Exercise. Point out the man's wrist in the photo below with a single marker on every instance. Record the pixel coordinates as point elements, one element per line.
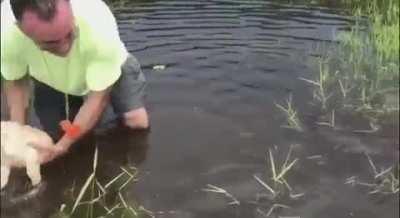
<point>64,143</point>
<point>71,131</point>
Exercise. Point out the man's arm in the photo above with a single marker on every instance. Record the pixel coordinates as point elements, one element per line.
<point>87,117</point>
<point>17,98</point>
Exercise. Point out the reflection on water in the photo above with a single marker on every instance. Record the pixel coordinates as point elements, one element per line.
<point>213,114</point>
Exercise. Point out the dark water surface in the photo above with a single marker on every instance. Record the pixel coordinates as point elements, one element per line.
<point>214,117</point>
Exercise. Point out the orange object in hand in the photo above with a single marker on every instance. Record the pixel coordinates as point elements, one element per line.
<point>71,130</point>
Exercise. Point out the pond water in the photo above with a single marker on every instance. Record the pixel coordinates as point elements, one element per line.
<point>213,118</point>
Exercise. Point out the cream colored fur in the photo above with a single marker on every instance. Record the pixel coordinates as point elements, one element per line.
<point>18,149</point>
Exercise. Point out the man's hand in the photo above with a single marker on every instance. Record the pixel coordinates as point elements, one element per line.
<point>47,154</point>
<point>62,147</point>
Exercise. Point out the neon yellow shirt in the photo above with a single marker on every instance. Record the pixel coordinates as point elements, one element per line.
<point>93,63</point>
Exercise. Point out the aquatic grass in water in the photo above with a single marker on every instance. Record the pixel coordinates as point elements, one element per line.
<point>331,122</point>
<point>218,190</point>
<point>277,191</point>
<point>361,75</point>
<point>277,184</point>
<point>272,209</point>
<point>97,200</point>
<point>323,84</point>
<point>385,181</point>
<point>374,85</point>
<point>292,119</point>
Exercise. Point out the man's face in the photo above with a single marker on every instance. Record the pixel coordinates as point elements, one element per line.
<point>55,36</point>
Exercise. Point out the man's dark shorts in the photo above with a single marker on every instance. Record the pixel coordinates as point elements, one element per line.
<point>127,94</point>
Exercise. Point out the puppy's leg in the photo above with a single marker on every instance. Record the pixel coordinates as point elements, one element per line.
<point>33,171</point>
<point>5,173</point>
<point>33,167</point>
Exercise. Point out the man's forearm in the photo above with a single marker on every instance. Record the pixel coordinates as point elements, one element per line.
<point>17,98</point>
<point>88,115</point>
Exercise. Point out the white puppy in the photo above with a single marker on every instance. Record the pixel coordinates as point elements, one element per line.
<point>18,143</point>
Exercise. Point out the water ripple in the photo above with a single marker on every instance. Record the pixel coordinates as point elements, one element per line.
<point>223,38</point>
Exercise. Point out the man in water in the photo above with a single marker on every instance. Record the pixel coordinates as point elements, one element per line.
<point>72,51</point>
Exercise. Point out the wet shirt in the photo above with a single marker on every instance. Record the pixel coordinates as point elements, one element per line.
<point>93,63</point>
